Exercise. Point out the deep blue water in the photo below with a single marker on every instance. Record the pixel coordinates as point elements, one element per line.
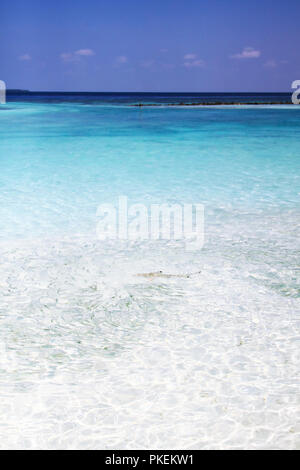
<point>157,98</point>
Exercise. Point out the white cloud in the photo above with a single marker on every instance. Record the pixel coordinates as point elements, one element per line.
<point>121,59</point>
<point>194,63</point>
<point>68,57</point>
<point>191,60</point>
<point>24,57</point>
<point>247,53</point>
<point>270,63</point>
<point>75,56</point>
<point>190,56</point>
<point>85,52</point>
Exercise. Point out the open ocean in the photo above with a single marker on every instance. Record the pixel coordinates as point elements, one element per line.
<point>94,357</point>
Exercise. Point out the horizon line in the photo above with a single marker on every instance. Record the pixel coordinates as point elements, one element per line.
<point>20,90</point>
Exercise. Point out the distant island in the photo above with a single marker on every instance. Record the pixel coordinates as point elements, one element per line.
<point>213,103</point>
<point>17,92</point>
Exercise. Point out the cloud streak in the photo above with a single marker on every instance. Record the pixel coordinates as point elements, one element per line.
<point>270,63</point>
<point>24,57</point>
<point>76,56</point>
<point>247,53</point>
<point>191,60</point>
<point>122,59</point>
<point>85,52</point>
<point>190,56</point>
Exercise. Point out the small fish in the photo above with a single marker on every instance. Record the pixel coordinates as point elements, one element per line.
<point>166,276</point>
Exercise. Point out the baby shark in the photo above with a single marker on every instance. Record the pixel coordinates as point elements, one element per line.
<point>166,276</point>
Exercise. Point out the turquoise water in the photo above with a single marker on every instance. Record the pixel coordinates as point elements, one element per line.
<point>60,161</point>
<point>96,357</point>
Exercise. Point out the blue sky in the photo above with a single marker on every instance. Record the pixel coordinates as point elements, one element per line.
<point>150,45</point>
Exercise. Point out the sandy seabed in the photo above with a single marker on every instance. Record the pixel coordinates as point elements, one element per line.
<point>95,357</point>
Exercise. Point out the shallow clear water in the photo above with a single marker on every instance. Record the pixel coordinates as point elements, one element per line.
<point>93,356</point>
